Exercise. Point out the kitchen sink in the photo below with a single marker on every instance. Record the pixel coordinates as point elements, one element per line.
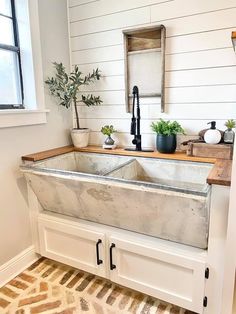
<point>162,198</point>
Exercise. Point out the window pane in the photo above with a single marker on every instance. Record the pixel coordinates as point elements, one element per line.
<point>5,7</point>
<point>9,78</point>
<point>6,33</point>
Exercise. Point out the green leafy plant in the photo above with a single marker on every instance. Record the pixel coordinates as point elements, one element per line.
<point>65,87</point>
<point>230,124</point>
<point>166,127</point>
<point>108,130</point>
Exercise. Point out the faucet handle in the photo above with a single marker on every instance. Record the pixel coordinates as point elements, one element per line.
<point>137,140</point>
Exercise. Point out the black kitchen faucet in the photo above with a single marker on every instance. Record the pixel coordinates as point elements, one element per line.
<point>135,124</point>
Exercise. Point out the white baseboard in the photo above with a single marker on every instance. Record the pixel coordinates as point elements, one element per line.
<point>17,264</point>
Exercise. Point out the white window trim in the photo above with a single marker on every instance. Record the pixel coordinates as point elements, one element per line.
<point>35,112</point>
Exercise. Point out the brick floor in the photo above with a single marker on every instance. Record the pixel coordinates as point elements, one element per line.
<point>54,288</point>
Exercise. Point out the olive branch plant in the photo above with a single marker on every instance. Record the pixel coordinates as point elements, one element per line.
<point>65,87</point>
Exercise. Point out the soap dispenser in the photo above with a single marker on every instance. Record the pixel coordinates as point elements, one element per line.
<point>212,135</point>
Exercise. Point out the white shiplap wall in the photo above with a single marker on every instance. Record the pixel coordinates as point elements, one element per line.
<point>200,61</point>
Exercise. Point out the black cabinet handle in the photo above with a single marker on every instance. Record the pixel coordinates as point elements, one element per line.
<point>112,266</point>
<point>99,261</point>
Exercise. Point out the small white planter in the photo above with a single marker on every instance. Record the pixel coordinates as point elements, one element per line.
<point>80,137</point>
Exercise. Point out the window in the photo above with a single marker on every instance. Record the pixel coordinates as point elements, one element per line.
<point>19,23</point>
<point>11,83</point>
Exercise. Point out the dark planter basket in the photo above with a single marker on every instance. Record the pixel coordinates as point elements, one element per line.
<point>166,144</point>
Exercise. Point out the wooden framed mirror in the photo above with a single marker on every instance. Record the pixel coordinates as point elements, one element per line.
<point>145,63</point>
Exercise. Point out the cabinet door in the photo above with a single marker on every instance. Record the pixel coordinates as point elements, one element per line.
<point>73,245</point>
<point>159,271</point>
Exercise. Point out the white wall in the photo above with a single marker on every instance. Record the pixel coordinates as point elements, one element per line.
<point>200,62</point>
<point>18,141</point>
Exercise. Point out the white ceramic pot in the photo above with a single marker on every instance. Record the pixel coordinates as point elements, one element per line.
<point>80,137</point>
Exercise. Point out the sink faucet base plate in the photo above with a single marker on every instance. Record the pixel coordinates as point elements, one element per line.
<point>133,149</point>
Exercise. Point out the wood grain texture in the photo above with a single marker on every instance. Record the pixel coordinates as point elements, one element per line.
<point>48,153</point>
<point>221,151</point>
<point>221,173</point>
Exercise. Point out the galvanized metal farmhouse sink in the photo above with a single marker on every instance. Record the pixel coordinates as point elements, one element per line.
<point>161,198</point>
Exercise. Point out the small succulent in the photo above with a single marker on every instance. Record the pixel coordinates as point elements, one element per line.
<point>166,127</point>
<point>230,124</point>
<point>108,130</point>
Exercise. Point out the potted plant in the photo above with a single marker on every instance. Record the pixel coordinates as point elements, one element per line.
<point>108,130</point>
<point>65,87</point>
<point>229,133</point>
<point>166,135</point>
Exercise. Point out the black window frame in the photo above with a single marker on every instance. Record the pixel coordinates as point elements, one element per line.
<point>14,48</point>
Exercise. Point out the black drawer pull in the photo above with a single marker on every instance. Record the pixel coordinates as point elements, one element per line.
<point>112,266</point>
<point>99,261</point>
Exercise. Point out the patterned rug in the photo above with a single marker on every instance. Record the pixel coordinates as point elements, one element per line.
<point>54,288</point>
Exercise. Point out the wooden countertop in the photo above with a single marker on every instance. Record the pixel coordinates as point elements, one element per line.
<point>48,153</point>
<point>220,174</point>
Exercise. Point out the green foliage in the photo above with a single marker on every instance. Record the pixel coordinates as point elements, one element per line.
<point>65,87</point>
<point>230,124</point>
<point>166,127</point>
<point>91,100</point>
<point>108,130</point>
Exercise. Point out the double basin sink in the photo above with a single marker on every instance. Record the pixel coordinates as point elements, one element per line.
<point>161,198</point>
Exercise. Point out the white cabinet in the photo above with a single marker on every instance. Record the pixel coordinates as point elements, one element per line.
<point>169,271</point>
<point>159,271</point>
<point>77,246</point>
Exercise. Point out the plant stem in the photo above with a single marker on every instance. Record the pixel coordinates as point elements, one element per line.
<point>76,114</point>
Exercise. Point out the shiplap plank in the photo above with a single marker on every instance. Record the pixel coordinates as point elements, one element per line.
<point>191,127</point>
<point>104,39</point>
<point>200,23</point>
<point>104,7</point>
<point>98,55</point>
<point>112,83</point>
<point>181,8</point>
<point>73,3</point>
<point>111,97</point>
<point>175,111</point>
<point>118,20</point>
<point>201,59</point>
<point>201,94</point>
<point>106,68</point>
<point>200,41</point>
<point>197,77</point>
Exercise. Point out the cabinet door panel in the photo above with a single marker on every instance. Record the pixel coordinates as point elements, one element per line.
<point>72,245</point>
<point>167,275</point>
